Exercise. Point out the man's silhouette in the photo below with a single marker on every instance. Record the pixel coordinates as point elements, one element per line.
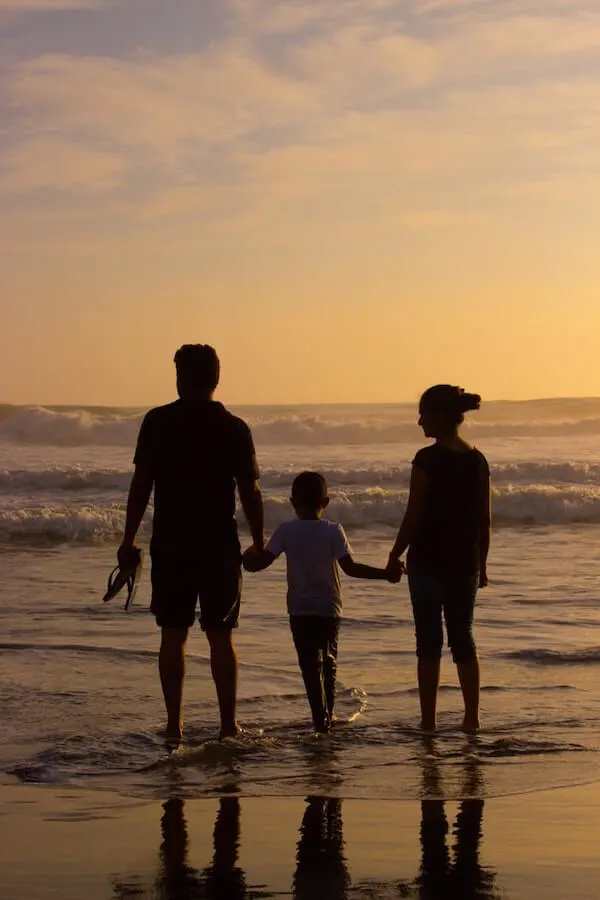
<point>193,453</point>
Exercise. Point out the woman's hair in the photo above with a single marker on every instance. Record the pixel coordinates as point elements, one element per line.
<point>453,401</point>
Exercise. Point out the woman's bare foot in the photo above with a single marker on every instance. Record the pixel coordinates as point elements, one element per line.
<point>427,726</point>
<point>230,731</point>
<point>471,726</point>
<point>174,731</point>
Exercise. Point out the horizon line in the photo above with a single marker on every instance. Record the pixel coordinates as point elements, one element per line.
<point>305,403</point>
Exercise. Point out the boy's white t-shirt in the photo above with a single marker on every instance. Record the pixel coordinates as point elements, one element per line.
<point>312,548</point>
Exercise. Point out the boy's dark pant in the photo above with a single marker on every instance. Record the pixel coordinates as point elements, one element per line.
<point>316,642</point>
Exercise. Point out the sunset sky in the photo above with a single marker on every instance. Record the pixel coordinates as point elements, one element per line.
<point>351,199</point>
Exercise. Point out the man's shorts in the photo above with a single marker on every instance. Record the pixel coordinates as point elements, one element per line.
<point>180,581</point>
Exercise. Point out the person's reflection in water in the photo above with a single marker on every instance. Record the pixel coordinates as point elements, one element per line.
<point>458,875</point>
<point>321,866</point>
<point>223,880</point>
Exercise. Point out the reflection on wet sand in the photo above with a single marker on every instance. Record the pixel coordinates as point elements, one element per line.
<point>321,869</point>
<point>223,879</point>
<point>449,870</point>
<point>448,873</point>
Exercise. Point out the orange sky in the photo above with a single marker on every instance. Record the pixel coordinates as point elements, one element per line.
<point>351,200</point>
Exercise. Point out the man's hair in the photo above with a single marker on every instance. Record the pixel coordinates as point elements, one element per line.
<point>198,366</point>
<point>309,490</point>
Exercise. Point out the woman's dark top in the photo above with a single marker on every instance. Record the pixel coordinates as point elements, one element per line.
<point>448,538</point>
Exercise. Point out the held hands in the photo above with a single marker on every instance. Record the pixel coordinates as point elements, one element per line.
<point>252,558</point>
<point>394,570</point>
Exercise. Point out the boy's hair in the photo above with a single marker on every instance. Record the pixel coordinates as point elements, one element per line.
<point>198,366</point>
<point>309,490</point>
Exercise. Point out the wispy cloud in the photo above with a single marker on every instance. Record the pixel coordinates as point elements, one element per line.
<point>381,107</point>
<point>48,162</point>
<point>32,5</point>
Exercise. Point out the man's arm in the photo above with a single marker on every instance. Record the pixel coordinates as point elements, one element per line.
<point>252,505</point>
<point>137,503</point>
<point>359,570</point>
<point>485,525</point>
<point>413,515</point>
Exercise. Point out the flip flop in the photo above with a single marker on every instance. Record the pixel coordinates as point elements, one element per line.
<point>129,576</point>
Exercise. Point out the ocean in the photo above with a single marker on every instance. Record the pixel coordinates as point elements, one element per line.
<point>79,692</point>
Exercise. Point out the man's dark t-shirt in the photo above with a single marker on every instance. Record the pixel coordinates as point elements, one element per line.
<point>196,452</point>
<point>448,539</point>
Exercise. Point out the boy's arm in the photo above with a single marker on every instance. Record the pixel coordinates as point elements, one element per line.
<point>255,559</point>
<point>359,570</point>
<point>343,553</point>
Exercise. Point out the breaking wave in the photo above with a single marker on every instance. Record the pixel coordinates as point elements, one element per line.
<point>370,508</point>
<point>316,426</point>
<point>522,476</point>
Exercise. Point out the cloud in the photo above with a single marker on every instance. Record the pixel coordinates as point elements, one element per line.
<point>287,16</point>
<point>359,112</point>
<point>37,5</point>
<point>158,105</point>
<point>49,162</point>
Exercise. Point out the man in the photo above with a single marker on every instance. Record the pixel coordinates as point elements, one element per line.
<point>193,452</point>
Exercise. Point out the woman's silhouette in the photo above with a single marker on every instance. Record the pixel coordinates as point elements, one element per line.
<point>446,529</point>
<point>453,873</point>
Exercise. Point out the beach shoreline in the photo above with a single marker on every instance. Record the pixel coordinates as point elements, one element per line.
<point>72,843</point>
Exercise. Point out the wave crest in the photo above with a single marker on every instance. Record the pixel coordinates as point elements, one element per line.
<point>370,508</point>
<point>326,426</point>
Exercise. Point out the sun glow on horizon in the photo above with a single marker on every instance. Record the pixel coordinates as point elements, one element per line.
<point>350,200</point>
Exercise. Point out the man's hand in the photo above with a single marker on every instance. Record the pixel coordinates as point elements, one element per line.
<point>250,558</point>
<point>394,570</point>
<point>255,559</point>
<point>483,577</point>
<point>125,553</point>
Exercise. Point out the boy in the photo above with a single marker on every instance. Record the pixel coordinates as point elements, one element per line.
<point>314,547</point>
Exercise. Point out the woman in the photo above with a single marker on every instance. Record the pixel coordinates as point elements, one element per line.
<point>446,529</point>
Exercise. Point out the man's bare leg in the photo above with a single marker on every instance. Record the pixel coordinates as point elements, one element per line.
<point>224,666</point>
<point>171,665</point>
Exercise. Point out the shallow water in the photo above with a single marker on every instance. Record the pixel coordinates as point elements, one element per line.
<point>78,682</point>
<point>82,701</point>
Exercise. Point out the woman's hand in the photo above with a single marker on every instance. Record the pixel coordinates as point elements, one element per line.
<point>483,578</point>
<point>394,570</point>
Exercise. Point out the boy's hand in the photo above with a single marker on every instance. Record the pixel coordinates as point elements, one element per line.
<point>253,559</point>
<point>394,570</point>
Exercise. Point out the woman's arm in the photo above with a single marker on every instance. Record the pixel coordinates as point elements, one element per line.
<point>419,484</point>
<point>485,523</point>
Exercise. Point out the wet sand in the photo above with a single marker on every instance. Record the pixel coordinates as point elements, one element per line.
<point>73,844</point>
